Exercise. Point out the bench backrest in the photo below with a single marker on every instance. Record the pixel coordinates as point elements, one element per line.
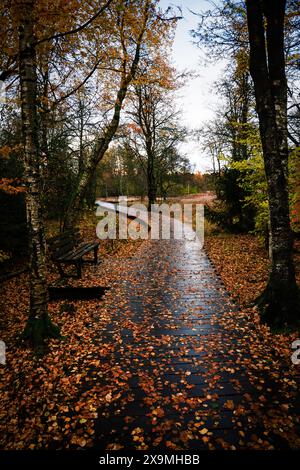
<point>61,244</point>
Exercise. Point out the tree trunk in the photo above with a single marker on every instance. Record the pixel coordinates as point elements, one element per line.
<point>151,179</point>
<point>151,189</point>
<point>279,303</point>
<point>103,142</point>
<point>90,167</point>
<point>244,115</point>
<point>81,133</point>
<point>87,174</point>
<point>39,325</point>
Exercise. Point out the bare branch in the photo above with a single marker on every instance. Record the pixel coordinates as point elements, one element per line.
<point>78,28</point>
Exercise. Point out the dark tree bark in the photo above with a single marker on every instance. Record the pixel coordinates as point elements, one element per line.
<point>151,179</point>
<point>39,325</point>
<point>279,303</point>
<point>81,131</point>
<point>145,118</point>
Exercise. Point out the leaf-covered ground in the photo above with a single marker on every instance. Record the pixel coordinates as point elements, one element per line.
<point>163,361</point>
<point>242,262</point>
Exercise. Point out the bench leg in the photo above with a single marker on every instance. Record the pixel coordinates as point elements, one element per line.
<point>96,255</point>
<point>78,267</point>
<point>60,270</point>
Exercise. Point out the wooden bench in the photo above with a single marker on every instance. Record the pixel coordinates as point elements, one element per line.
<point>68,248</point>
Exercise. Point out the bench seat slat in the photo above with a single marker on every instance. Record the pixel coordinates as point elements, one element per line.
<point>68,248</point>
<point>57,251</point>
<point>78,252</point>
<point>86,248</point>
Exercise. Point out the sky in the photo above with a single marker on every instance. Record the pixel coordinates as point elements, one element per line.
<point>197,99</point>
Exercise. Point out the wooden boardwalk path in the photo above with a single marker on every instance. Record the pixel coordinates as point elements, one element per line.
<point>182,369</point>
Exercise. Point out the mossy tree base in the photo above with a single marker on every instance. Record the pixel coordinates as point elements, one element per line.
<point>38,330</point>
<point>279,305</point>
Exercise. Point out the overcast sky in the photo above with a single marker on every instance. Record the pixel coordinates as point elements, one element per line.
<point>197,100</point>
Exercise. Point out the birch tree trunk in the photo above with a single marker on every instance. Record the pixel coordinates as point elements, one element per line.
<point>39,325</point>
<point>279,303</point>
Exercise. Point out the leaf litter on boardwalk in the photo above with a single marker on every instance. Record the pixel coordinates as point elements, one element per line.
<point>54,402</point>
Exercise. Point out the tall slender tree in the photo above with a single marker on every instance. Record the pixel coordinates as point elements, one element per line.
<point>155,132</point>
<point>102,143</point>
<point>279,303</point>
<point>139,30</point>
<point>39,325</point>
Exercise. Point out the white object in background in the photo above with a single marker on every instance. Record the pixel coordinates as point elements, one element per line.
<point>2,353</point>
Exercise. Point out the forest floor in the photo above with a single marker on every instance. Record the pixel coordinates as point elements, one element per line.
<point>242,263</point>
<point>164,360</point>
